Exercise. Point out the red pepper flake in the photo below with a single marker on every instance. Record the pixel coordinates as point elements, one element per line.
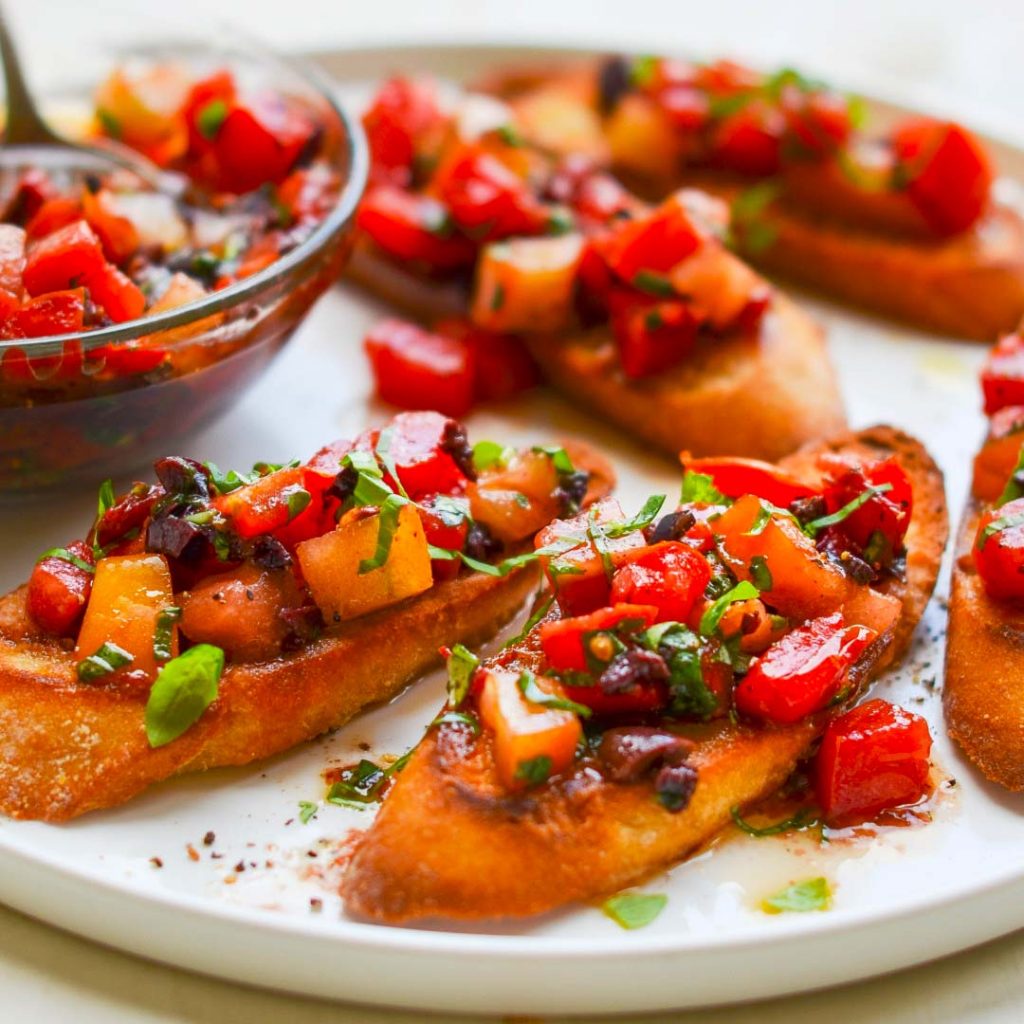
<point>240,867</point>
<point>193,853</point>
<point>209,839</point>
<point>156,862</point>
<point>315,904</point>
<point>311,853</point>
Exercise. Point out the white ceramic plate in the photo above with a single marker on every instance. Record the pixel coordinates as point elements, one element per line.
<point>256,902</point>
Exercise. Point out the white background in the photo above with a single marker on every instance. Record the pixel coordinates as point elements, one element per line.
<point>961,57</point>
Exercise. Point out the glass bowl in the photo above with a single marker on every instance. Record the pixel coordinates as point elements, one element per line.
<point>66,419</point>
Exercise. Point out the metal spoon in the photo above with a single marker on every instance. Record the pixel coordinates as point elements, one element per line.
<point>30,142</point>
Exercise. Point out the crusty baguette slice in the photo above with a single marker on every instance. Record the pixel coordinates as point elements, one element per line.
<point>983,692</point>
<point>68,747</point>
<point>969,286</point>
<point>761,395</point>
<point>450,843</point>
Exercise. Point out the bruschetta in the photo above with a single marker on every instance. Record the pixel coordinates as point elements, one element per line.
<point>688,662</point>
<point>904,224</point>
<point>983,695</point>
<point>639,313</point>
<point>216,618</point>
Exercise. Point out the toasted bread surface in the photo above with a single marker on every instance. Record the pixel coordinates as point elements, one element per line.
<point>450,842</point>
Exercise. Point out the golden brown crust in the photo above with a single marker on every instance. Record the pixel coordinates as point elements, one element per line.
<point>758,394</point>
<point>449,842</point>
<point>983,691</point>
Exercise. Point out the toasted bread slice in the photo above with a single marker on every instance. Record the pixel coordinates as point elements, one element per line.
<point>759,394</point>
<point>983,693</point>
<point>68,747</point>
<point>970,285</point>
<point>450,842</point>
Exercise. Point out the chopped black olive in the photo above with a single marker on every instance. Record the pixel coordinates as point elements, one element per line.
<point>808,509</point>
<point>270,554</point>
<point>183,477</point>
<point>176,538</point>
<point>672,526</point>
<point>613,82</point>
<point>631,752</point>
<point>631,668</point>
<point>571,490</point>
<point>344,484</point>
<point>480,544</point>
<point>674,785</point>
<point>455,442</point>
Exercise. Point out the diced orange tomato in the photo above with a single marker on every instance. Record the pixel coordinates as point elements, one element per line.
<point>735,477</point>
<point>141,105</point>
<point>642,138</point>
<point>873,758</point>
<point>330,565</point>
<point>804,583</point>
<point>524,733</point>
<point>516,501</point>
<point>128,594</point>
<point>117,233</point>
<point>578,574</point>
<point>671,576</point>
<point>724,291</point>
<point>1000,453</point>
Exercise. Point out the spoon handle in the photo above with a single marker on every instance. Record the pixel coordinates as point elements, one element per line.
<point>23,125</point>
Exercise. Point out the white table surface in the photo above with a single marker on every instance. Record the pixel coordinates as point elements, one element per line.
<point>942,54</point>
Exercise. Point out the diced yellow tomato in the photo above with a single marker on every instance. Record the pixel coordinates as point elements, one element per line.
<point>140,106</point>
<point>239,612</point>
<point>720,285</point>
<point>527,284</point>
<point>128,593</point>
<point>868,607</point>
<point>642,139</point>
<point>752,622</point>
<point>517,501</point>
<point>562,121</point>
<point>330,564</point>
<point>524,733</point>
<point>994,463</point>
<point>805,584</point>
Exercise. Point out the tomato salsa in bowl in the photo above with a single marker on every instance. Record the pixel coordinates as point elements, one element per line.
<point>132,314</point>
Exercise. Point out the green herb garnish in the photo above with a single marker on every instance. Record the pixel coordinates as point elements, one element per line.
<point>642,70</point>
<point>307,811</point>
<point>465,718</point>
<point>541,610</point>
<point>67,556</point>
<point>801,820</point>
<point>297,499</point>
<point>559,458</point>
<point>743,591</point>
<point>560,222</point>
<point>651,507</point>
<point>529,688</point>
<point>185,687</point>
<point>211,117</point>
<point>509,134</point>
<point>111,125</point>
<point>997,526</point>
<point>534,771</point>
<point>760,574</point>
<point>632,910</point>
<point>489,453</point>
<point>700,489</point>
<point>164,631</point>
<point>654,284</point>
<point>387,525</point>
<point>1014,488</point>
<point>497,297</point>
<point>108,658</point>
<point>801,897</point>
<point>848,509</point>
<point>462,664</point>
<point>682,650</point>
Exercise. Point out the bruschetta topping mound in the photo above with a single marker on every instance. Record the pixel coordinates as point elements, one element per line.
<point>205,568</point>
<point>550,244</point>
<point>752,600</point>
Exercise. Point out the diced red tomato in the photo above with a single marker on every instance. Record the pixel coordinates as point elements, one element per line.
<point>577,571</point>
<point>652,244</point>
<point>563,640</point>
<point>64,259</point>
<point>804,671</point>
<point>1002,376</point>
<point>735,477</point>
<point>128,513</point>
<point>601,198</point>
<point>260,140</point>
<point>307,193</point>
<point>726,77</point>
<point>948,173</point>
<point>34,188</point>
<point>58,590</point>
<point>873,758</point>
<point>129,357</point>
<point>270,504</point>
<point>999,550</point>
<point>503,364</point>
<point>750,141</point>
<point>652,335</point>
<point>218,88</point>
<point>403,112</point>
<point>671,576</point>
<point>117,294</point>
<point>444,528</point>
<point>12,264</point>
<point>486,199</point>
<point>54,313</point>
<point>413,367</point>
<point>640,698</point>
<point>420,454</point>
<point>686,106</point>
<point>413,227</point>
<point>53,215</point>
<point>887,513</point>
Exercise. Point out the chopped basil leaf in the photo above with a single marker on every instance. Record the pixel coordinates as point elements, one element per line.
<point>490,453</point>
<point>747,224</point>
<point>631,910</point>
<point>462,664</point>
<point>654,284</point>
<point>108,658</point>
<point>226,482</point>
<point>560,222</point>
<point>185,687</point>
<point>775,83</point>
<point>760,573</point>
<point>726,106</point>
<point>297,499</point>
<point>266,468</point>
<point>848,509</point>
<point>801,897</point>
<point>384,443</point>
<point>652,506</point>
<point>600,542</point>
<point>109,123</point>
<point>682,650</point>
<point>164,632</point>
<point>360,787</point>
<point>66,556</point>
<point>700,489</point>
<point>743,591</point>
<point>105,501</point>
<point>559,457</point>
<point>211,117</point>
<point>1014,488</point>
<point>997,526</point>
<point>642,70</point>
<point>509,134</point>
<point>387,524</point>
<point>498,297</point>
<point>542,609</point>
<point>761,520</point>
<point>465,718</point>
<point>857,112</point>
<point>307,811</point>
<point>529,688</point>
<point>362,462</point>
<point>502,569</point>
<point>534,771</point>
<point>801,820</point>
